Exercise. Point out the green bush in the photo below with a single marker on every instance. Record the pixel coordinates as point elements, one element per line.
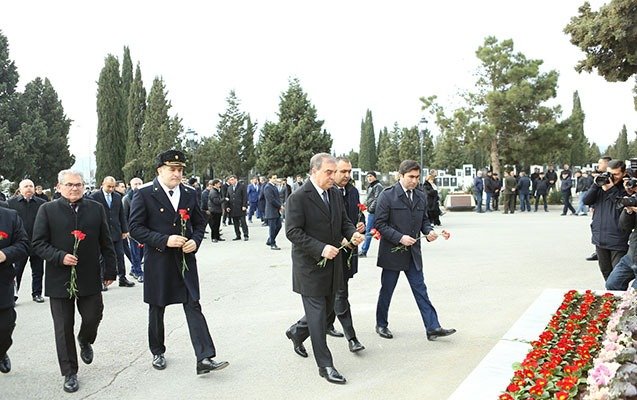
<point>555,197</point>
<point>443,195</point>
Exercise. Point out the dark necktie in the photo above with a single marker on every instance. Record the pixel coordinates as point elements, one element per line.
<point>326,199</point>
<point>343,191</point>
<point>409,196</point>
<point>170,192</point>
<point>73,207</point>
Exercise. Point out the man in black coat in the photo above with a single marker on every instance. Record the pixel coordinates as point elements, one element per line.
<point>216,203</point>
<point>272,211</point>
<point>166,217</point>
<point>117,222</point>
<point>136,248</point>
<point>14,246</point>
<point>237,206</point>
<point>351,201</point>
<point>401,218</point>
<point>316,224</point>
<point>27,205</point>
<point>53,240</point>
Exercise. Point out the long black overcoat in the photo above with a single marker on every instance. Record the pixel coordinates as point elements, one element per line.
<point>15,247</point>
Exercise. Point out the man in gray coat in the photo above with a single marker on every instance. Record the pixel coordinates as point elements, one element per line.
<point>317,225</point>
<point>401,219</point>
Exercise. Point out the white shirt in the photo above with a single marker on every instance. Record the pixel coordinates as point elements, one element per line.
<point>318,189</point>
<point>174,199</point>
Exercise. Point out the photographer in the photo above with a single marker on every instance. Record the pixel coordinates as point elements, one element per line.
<point>611,243</point>
<point>626,270</point>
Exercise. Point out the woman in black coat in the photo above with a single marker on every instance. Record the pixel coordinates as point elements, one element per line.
<point>433,200</point>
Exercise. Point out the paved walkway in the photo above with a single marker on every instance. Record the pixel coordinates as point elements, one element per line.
<point>480,281</point>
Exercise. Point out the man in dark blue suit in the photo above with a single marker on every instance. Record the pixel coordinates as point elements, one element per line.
<point>401,218</point>
<point>158,219</point>
<point>117,222</point>
<point>14,246</point>
<point>273,208</point>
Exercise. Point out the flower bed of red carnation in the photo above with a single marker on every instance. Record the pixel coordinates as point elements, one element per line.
<point>556,366</point>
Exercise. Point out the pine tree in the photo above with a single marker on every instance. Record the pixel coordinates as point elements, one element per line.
<point>593,154</point>
<point>388,159</point>
<point>111,137</point>
<point>127,81</point>
<point>381,140</point>
<point>287,146</point>
<point>160,132</point>
<point>9,103</point>
<point>621,145</point>
<point>409,147</point>
<point>227,149</point>
<point>135,121</point>
<point>579,143</point>
<point>367,149</point>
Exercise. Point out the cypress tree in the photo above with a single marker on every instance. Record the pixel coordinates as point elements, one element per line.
<point>621,145</point>
<point>248,157</point>
<point>227,148</point>
<point>135,122</point>
<point>579,143</point>
<point>111,137</point>
<point>409,148</point>
<point>367,154</point>
<point>389,159</point>
<point>9,103</point>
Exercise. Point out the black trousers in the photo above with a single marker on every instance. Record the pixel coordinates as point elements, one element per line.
<point>63,312</point>
<point>342,311</point>
<point>37,272</point>
<point>119,253</point>
<point>537,201</point>
<point>314,325</point>
<point>607,259</point>
<point>240,221</point>
<point>197,326</point>
<point>274,226</point>
<point>7,324</point>
<point>215,223</point>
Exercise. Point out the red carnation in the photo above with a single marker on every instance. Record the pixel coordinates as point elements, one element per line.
<point>4,235</point>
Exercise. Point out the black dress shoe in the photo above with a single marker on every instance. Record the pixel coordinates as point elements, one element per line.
<point>332,375</point>
<point>440,332</point>
<point>246,238</point>
<point>104,288</point>
<point>275,247</point>
<point>333,332</point>
<point>355,345</point>
<point>126,283</point>
<point>38,299</point>
<point>214,240</point>
<point>237,238</point>
<point>86,352</point>
<point>208,364</point>
<point>298,346</point>
<point>592,257</point>
<point>70,383</point>
<point>384,332</point>
<point>159,361</point>
<point>5,364</point>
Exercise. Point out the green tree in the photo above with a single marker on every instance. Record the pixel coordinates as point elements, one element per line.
<point>620,148</point>
<point>227,148</point>
<point>135,121</point>
<point>367,149</point>
<point>579,143</point>
<point>111,136</point>
<point>286,147</point>
<point>48,128</point>
<point>593,153</point>
<point>160,132</point>
<point>381,133</point>
<point>10,120</point>
<point>389,159</point>
<point>127,81</point>
<point>409,146</point>
<point>248,155</point>
<point>510,100</point>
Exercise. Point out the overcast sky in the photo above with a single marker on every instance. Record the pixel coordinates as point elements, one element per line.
<point>348,55</point>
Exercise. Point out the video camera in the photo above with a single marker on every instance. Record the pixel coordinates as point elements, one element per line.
<point>630,183</point>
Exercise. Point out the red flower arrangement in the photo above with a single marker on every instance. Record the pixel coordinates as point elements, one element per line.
<point>184,216</point>
<point>361,208</point>
<point>72,289</point>
<point>559,360</point>
<point>4,235</point>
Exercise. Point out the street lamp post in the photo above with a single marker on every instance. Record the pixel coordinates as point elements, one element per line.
<point>422,126</point>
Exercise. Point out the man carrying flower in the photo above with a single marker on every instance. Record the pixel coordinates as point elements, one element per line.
<point>166,217</point>
<point>54,241</point>
<point>401,217</point>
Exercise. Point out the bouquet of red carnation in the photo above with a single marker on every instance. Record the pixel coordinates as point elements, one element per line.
<point>4,235</point>
<point>183,214</point>
<point>72,290</point>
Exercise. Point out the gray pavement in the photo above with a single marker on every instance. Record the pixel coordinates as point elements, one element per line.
<point>480,281</point>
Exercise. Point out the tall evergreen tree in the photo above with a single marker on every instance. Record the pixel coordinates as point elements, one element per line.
<point>389,159</point>
<point>160,132</point>
<point>380,141</point>
<point>9,103</point>
<point>48,128</point>
<point>127,81</point>
<point>620,149</point>
<point>111,136</point>
<point>135,122</point>
<point>248,156</point>
<point>286,147</point>
<point>227,149</point>
<point>579,143</point>
<point>409,147</point>
<point>367,157</point>
<point>593,154</point>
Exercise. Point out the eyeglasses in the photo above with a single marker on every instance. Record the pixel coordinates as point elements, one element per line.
<point>73,185</point>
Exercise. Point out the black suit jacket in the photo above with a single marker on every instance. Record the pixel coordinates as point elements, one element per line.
<point>117,219</point>
<point>351,201</point>
<point>152,220</point>
<point>15,247</point>
<point>238,199</point>
<point>26,211</point>
<point>272,201</point>
<point>310,225</point>
<point>397,216</point>
<point>52,240</point>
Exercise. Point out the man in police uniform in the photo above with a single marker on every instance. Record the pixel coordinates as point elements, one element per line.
<point>156,222</point>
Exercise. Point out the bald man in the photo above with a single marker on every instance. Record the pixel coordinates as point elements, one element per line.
<point>27,205</point>
<point>118,224</point>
